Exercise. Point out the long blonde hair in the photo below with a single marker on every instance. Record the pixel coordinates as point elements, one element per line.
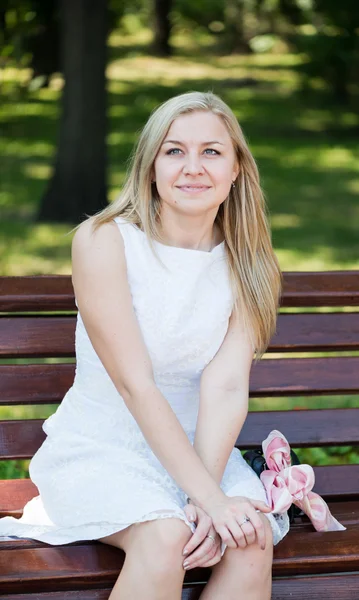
<point>254,271</point>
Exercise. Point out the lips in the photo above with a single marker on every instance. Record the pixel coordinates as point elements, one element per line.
<point>193,188</point>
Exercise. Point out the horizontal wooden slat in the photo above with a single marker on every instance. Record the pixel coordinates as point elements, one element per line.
<point>316,332</point>
<point>27,337</point>
<point>55,292</point>
<point>334,483</point>
<point>48,383</point>
<point>324,288</point>
<point>322,587</point>
<point>303,376</point>
<point>96,565</point>
<point>303,428</point>
<point>39,293</point>
<point>35,384</point>
<point>331,587</point>
<point>14,494</point>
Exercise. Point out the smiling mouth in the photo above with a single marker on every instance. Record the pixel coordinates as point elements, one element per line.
<point>193,188</point>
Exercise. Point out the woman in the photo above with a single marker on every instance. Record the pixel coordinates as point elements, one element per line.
<point>177,287</point>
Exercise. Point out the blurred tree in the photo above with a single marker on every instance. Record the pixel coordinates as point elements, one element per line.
<point>78,184</point>
<point>201,12</point>
<point>29,35</point>
<point>43,41</point>
<point>339,39</point>
<point>236,20</point>
<point>332,46</point>
<point>162,27</point>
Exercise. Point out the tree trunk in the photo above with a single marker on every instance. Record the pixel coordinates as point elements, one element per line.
<point>78,185</point>
<point>44,42</point>
<point>236,38</point>
<point>161,43</point>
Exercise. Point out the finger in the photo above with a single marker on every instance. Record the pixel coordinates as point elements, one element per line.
<point>262,506</point>
<point>226,536</point>
<point>206,549</point>
<point>259,527</point>
<point>249,532</point>
<point>237,533</point>
<point>213,561</point>
<point>190,512</point>
<point>199,535</point>
<point>204,560</point>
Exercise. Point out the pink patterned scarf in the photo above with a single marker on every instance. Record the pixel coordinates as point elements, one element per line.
<point>286,484</point>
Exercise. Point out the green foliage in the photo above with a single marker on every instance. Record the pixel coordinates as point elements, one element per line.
<point>201,12</point>
<point>14,469</point>
<point>332,47</point>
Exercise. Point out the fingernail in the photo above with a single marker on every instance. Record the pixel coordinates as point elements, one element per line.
<point>185,552</point>
<point>186,564</point>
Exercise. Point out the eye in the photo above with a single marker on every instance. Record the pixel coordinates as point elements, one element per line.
<point>211,151</point>
<point>174,151</point>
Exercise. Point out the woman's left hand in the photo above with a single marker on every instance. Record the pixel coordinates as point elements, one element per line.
<point>201,550</point>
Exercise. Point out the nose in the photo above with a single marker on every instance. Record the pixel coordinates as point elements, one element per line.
<point>193,164</point>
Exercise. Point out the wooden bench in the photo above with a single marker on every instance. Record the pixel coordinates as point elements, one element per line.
<point>307,564</point>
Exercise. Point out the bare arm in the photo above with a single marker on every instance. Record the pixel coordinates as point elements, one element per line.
<point>105,304</point>
<point>223,400</point>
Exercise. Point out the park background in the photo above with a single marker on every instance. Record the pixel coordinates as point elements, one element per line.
<point>288,68</point>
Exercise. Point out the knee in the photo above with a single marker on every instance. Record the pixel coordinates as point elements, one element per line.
<point>258,562</point>
<point>160,546</point>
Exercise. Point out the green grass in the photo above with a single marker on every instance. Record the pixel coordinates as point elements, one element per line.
<point>305,146</point>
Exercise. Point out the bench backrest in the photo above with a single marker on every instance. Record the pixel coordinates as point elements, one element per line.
<point>37,321</point>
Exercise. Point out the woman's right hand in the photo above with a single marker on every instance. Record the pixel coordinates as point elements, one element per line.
<point>230,519</point>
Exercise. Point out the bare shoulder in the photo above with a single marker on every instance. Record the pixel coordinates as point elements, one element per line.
<point>90,239</point>
<point>97,250</point>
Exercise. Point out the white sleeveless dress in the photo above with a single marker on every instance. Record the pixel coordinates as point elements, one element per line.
<point>95,472</point>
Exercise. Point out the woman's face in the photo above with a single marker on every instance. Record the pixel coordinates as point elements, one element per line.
<point>196,164</point>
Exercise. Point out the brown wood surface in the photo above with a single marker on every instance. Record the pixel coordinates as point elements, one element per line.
<point>55,292</point>
<point>35,384</point>
<point>304,376</point>
<point>81,565</point>
<point>302,428</point>
<point>324,587</point>
<point>316,332</point>
<point>39,293</point>
<point>325,288</point>
<point>48,383</point>
<point>28,337</point>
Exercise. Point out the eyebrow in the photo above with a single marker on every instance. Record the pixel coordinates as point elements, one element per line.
<point>182,144</point>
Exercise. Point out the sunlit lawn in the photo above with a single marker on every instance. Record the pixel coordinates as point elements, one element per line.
<point>306,149</point>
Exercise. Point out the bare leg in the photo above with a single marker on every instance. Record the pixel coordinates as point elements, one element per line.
<point>153,565</point>
<point>243,573</point>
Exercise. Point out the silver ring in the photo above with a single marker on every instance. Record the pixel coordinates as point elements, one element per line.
<point>246,520</point>
<point>211,538</point>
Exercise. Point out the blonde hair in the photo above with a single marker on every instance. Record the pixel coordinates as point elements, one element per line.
<point>254,271</point>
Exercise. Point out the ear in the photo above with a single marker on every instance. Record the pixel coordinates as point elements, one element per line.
<point>236,170</point>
